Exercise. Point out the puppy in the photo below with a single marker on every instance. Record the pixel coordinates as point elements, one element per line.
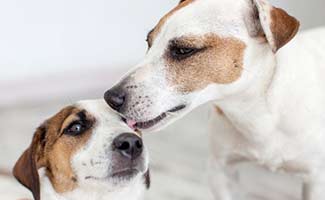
<point>85,152</point>
<point>267,86</point>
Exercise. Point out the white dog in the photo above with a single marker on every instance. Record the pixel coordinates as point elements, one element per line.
<point>85,152</point>
<point>270,103</point>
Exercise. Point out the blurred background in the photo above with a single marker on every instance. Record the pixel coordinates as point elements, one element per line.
<point>53,53</point>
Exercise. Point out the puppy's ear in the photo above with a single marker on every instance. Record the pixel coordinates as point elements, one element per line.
<point>181,1</point>
<point>147,179</point>
<point>275,24</point>
<point>26,168</point>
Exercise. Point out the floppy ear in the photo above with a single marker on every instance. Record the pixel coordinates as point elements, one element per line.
<point>181,1</point>
<point>277,25</point>
<point>25,170</point>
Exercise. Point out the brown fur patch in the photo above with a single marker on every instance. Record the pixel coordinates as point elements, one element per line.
<point>283,27</point>
<point>59,153</point>
<point>26,168</point>
<point>153,34</point>
<point>53,150</point>
<point>220,62</point>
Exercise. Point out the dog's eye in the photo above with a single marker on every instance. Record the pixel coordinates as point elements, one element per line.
<point>75,128</point>
<point>180,53</point>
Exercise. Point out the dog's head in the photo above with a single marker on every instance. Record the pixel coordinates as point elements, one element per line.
<point>84,147</point>
<point>202,50</point>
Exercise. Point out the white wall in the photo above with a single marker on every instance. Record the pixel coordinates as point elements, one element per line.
<point>309,12</point>
<point>45,36</point>
<point>39,36</point>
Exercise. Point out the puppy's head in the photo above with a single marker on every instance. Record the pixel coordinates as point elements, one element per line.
<point>202,50</point>
<point>84,146</point>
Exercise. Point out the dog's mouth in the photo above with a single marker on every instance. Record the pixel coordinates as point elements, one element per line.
<point>150,123</point>
<point>126,173</point>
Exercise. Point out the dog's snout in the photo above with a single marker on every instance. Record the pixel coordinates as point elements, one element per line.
<point>129,145</point>
<point>115,98</point>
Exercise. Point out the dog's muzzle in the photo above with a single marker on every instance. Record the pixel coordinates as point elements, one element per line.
<point>128,156</point>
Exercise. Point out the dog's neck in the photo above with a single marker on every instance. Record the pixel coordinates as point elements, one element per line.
<point>249,110</point>
<point>131,193</point>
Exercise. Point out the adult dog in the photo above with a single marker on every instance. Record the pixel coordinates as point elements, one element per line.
<point>270,103</point>
<point>84,152</point>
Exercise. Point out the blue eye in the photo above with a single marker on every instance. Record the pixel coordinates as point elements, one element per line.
<point>75,129</point>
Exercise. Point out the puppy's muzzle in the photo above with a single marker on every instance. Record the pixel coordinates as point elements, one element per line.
<point>129,146</point>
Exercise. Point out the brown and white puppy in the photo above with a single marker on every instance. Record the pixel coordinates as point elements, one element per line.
<point>84,152</point>
<point>267,83</point>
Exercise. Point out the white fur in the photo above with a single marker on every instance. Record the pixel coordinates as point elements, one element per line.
<point>274,115</point>
<point>98,151</point>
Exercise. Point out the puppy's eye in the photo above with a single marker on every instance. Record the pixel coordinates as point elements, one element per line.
<point>180,53</point>
<point>75,128</point>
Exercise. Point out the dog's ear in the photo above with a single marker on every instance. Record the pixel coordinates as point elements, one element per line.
<point>26,168</point>
<point>275,24</point>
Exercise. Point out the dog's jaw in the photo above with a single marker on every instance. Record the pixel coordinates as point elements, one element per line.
<point>150,124</point>
<point>134,192</point>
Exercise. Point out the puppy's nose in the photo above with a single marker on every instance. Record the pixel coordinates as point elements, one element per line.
<point>129,145</point>
<point>115,98</point>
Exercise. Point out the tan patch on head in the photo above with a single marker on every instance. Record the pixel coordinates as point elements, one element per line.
<point>220,61</point>
<point>60,149</point>
<point>153,34</point>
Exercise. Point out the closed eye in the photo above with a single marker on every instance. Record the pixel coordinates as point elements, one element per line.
<point>180,51</point>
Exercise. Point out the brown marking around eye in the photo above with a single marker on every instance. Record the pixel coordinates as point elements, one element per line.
<point>221,62</point>
<point>153,34</point>
<point>60,149</point>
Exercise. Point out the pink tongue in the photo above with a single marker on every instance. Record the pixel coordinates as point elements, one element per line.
<point>131,123</point>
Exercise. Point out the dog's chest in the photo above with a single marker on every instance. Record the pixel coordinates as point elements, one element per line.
<point>258,139</point>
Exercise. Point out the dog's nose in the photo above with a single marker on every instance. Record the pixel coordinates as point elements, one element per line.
<point>129,145</point>
<point>115,98</point>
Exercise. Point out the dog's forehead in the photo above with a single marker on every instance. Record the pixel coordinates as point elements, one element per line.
<point>198,17</point>
<point>99,110</point>
<point>104,115</point>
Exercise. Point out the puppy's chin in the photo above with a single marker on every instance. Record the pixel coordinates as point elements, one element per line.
<point>117,181</point>
<point>121,174</point>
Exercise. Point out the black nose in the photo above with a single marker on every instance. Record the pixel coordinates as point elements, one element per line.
<point>129,145</point>
<point>115,98</point>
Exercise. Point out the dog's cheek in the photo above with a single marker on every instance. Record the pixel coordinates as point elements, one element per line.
<point>94,159</point>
